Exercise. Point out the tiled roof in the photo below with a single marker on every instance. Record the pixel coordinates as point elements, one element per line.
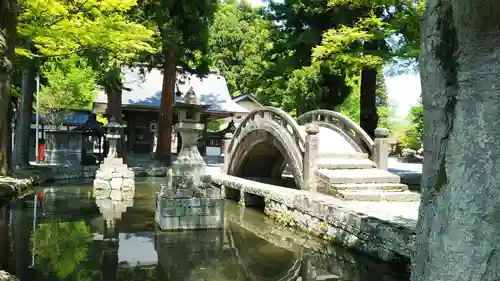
<point>145,90</point>
<point>246,96</point>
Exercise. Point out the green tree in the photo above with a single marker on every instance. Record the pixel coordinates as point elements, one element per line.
<point>184,31</point>
<point>362,44</point>
<point>100,30</point>
<point>71,84</point>
<point>298,28</point>
<point>239,38</point>
<point>8,14</point>
<point>415,131</point>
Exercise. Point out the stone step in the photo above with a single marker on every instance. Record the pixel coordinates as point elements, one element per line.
<point>345,163</point>
<point>343,155</point>
<point>349,176</point>
<point>369,186</point>
<point>379,195</point>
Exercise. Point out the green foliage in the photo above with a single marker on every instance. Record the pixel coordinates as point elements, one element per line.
<point>415,131</point>
<point>61,247</point>
<point>60,28</point>
<point>293,81</point>
<point>214,125</point>
<point>319,85</point>
<point>102,119</point>
<point>344,45</point>
<point>351,106</point>
<point>183,27</point>
<point>286,219</point>
<point>15,91</point>
<point>71,84</point>
<point>239,38</point>
<point>397,23</point>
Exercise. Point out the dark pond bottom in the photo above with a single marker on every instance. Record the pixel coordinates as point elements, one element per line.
<point>61,233</point>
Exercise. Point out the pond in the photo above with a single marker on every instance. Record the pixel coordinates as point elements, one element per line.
<point>59,233</point>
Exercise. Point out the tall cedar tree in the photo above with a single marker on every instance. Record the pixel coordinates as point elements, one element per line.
<point>8,15</point>
<point>184,30</point>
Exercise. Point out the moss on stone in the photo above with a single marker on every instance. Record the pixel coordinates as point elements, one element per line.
<point>286,219</point>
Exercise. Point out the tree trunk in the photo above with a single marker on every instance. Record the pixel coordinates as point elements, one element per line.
<point>8,14</point>
<point>113,90</point>
<point>458,230</point>
<point>368,117</point>
<point>166,117</point>
<point>23,122</point>
<point>11,119</point>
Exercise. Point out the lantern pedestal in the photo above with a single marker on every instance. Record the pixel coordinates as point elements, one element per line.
<point>189,200</point>
<point>113,175</point>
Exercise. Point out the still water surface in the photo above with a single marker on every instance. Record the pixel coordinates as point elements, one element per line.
<point>70,240</point>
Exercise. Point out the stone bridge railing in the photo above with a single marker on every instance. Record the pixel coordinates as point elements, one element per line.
<point>341,124</point>
<point>307,141</point>
<point>277,115</point>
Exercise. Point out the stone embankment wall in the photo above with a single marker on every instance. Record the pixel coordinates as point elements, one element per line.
<point>22,182</point>
<point>326,217</point>
<point>5,276</point>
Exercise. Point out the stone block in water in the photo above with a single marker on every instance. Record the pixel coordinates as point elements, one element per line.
<point>178,209</point>
<point>101,184</point>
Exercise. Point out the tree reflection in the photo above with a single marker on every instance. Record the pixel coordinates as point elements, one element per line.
<point>61,247</point>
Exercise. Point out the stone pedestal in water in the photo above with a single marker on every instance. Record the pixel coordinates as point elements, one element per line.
<point>113,175</point>
<point>188,200</point>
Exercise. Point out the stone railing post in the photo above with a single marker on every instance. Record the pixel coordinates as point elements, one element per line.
<point>228,137</point>
<point>381,148</point>
<point>311,157</point>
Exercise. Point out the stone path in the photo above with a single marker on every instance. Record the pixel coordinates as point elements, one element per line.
<point>410,173</point>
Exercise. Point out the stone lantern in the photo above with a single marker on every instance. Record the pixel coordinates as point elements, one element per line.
<point>115,130</point>
<point>189,200</point>
<point>189,162</point>
<point>114,175</point>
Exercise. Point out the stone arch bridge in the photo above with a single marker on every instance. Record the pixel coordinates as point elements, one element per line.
<point>321,150</point>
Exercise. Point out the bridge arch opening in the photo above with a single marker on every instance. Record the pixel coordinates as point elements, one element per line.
<point>263,154</point>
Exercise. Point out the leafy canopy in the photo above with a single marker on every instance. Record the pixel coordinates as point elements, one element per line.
<point>183,27</point>
<point>239,38</point>
<point>394,22</point>
<point>71,84</point>
<point>60,28</point>
<point>415,131</point>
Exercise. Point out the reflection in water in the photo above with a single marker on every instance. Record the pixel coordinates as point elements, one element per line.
<point>61,247</point>
<point>4,234</point>
<point>77,240</point>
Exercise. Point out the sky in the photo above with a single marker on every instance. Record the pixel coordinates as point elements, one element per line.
<point>403,90</point>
